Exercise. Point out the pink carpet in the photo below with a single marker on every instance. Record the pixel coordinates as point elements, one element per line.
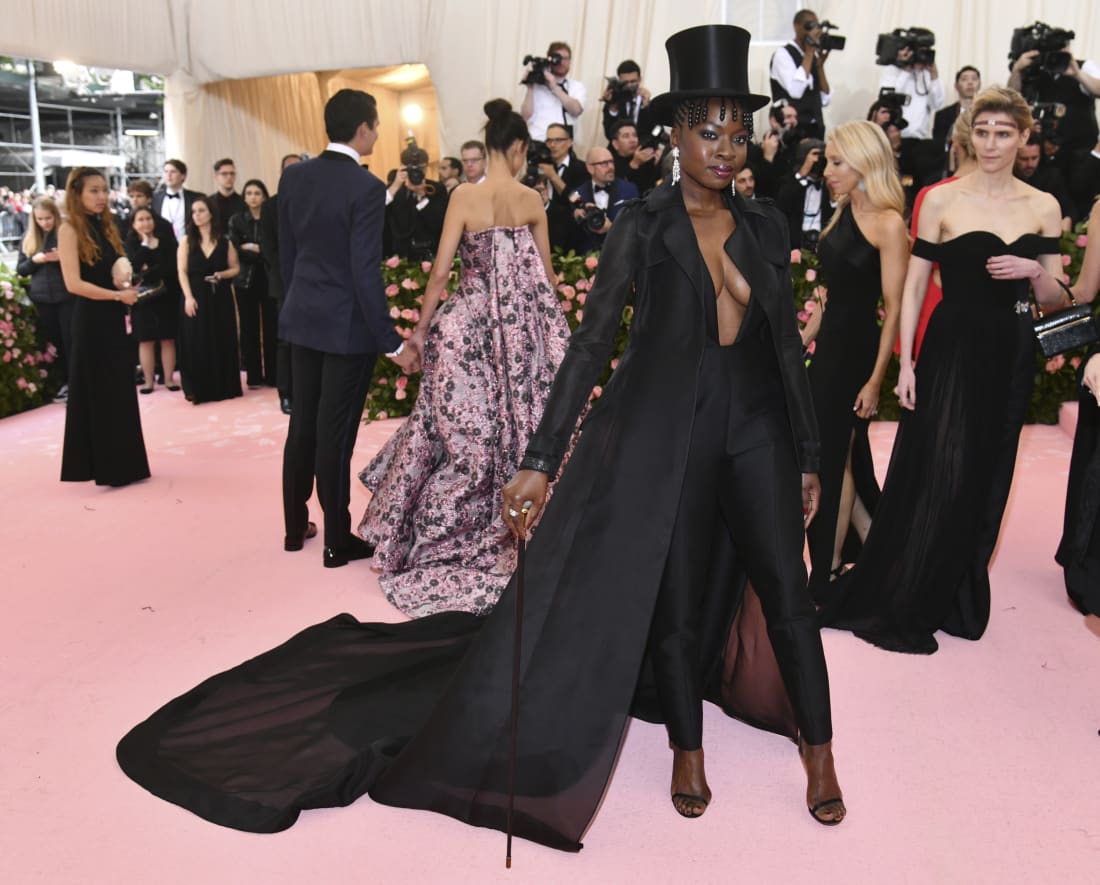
<point>976,765</point>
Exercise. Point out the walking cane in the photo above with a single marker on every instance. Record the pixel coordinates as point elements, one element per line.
<point>521,561</point>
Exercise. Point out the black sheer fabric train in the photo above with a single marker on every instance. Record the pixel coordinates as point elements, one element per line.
<point>418,713</point>
<point>1079,551</point>
<point>924,566</point>
<point>843,361</point>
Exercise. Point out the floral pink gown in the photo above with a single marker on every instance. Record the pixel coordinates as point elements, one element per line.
<point>489,362</point>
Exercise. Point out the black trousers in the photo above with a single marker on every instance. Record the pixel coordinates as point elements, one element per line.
<point>259,329</point>
<point>742,470</point>
<point>330,391</point>
<point>55,326</point>
<point>282,357</point>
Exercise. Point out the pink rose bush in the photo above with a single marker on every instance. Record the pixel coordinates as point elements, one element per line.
<point>25,376</point>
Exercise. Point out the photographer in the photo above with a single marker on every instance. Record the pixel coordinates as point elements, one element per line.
<point>625,98</point>
<point>886,112</point>
<point>415,206</point>
<point>563,174</point>
<point>638,165</point>
<point>596,203</point>
<point>803,198</point>
<point>1043,176</point>
<point>1045,72</point>
<point>558,99</point>
<point>798,74</point>
<point>772,158</point>
<point>909,68</point>
<point>1084,182</point>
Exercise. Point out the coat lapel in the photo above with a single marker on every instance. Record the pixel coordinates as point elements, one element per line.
<point>678,234</point>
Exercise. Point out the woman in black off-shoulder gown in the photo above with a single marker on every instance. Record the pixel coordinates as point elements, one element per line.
<point>916,572</point>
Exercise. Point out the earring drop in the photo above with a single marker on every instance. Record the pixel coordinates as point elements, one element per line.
<point>862,185</point>
<point>675,165</point>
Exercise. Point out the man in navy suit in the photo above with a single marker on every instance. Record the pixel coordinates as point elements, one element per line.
<point>331,216</point>
<point>604,191</point>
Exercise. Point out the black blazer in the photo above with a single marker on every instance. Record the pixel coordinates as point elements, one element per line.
<point>189,198</point>
<point>331,215</point>
<point>621,192</point>
<point>790,199</point>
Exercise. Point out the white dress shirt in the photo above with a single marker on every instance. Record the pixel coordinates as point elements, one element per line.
<point>173,211</point>
<point>926,96</point>
<point>793,78</point>
<point>546,109</point>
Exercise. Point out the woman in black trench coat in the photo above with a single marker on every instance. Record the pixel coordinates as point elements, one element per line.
<point>700,437</point>
<point>688,473</point>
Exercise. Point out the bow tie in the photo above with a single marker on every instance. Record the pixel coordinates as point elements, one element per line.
<point>601,188</point>
<point>171,196</point>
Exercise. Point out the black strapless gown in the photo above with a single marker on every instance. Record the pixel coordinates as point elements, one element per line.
<point>103,438</point>
<point>1079,551</point>
<point>847,346</point>
<point>925,564</point>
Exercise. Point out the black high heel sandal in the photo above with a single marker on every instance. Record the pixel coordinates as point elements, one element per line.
<point>816,809</point>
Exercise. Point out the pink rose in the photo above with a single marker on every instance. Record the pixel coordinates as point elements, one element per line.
<point>582,297</point>
<point>21,383</point>
<point>32,388</point>
<point>1082,241</point>
<point>382,381</point>
<point>402,382</point>
<point>1066,260</point>
<point>16,353</point>
<point>7,357</point>
<point>409,284</point>
<point>580,314</point>
<point>392,290</point>
<point>615,363</point>
<point>567,292</point>
<point>9,342</point>
<point>382,416</point>
<point>395,312</point>
<point>1055,365</point>
<point>809,307</point>
<point>811,275</point>
<point>796,256</point>
<point>42,373</point>
<point>426,266</point>
<point>803,317</point>
<point>393,261</point>
<point>591,262</point>
<point>1075,362</point>
<point>583,285</point>
<point>407,314</point>
<point>597,392</point>
<point>400,394</point>
<point>415,315</point>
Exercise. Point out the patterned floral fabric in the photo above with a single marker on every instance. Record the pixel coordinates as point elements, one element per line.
<point>489,361</point>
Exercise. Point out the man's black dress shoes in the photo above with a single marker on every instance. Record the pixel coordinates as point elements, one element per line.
<point>292,544</point>
<point>284,404</point>
<point>352,549</point>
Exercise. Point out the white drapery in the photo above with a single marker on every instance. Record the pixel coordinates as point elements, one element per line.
<point>248,78</point>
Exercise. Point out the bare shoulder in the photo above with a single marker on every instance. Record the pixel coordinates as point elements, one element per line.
<point>889,228</point>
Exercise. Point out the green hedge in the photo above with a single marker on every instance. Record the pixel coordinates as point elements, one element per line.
<point>25,378</point>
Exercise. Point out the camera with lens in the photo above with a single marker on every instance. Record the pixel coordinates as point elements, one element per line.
<point>619,93</point>
<point>894,101</point>
<point>1048,116</point>
<point>537,154</point>
<point>594,218</point>
<point>415,160</point>
<point>656,139</point>
<point>920,41</point>
<point>827,42</point>
<point>538,65</point>
<point>1049,42</point>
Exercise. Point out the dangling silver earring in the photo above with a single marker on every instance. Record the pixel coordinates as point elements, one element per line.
<point>862,185</point>
<point>675,165</point>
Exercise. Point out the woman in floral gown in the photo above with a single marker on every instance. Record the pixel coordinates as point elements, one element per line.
<point>490,354</point>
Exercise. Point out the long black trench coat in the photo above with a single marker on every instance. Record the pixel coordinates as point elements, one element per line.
<point>596,559</point>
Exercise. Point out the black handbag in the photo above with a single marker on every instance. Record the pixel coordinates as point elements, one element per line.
<point>1064,330</point>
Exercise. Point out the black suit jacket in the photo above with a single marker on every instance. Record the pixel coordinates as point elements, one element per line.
<point>189,198</point>
<point>619,195</point>
<point>790,199</point>
<point>942,124</point>
<point>331,214</point>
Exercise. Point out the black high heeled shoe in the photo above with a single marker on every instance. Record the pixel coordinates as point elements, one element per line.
<point>354,548</point>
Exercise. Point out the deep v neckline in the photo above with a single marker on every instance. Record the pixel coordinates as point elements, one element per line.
<point>210,254</point>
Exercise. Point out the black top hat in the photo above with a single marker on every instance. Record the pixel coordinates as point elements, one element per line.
<point>710,60</point>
